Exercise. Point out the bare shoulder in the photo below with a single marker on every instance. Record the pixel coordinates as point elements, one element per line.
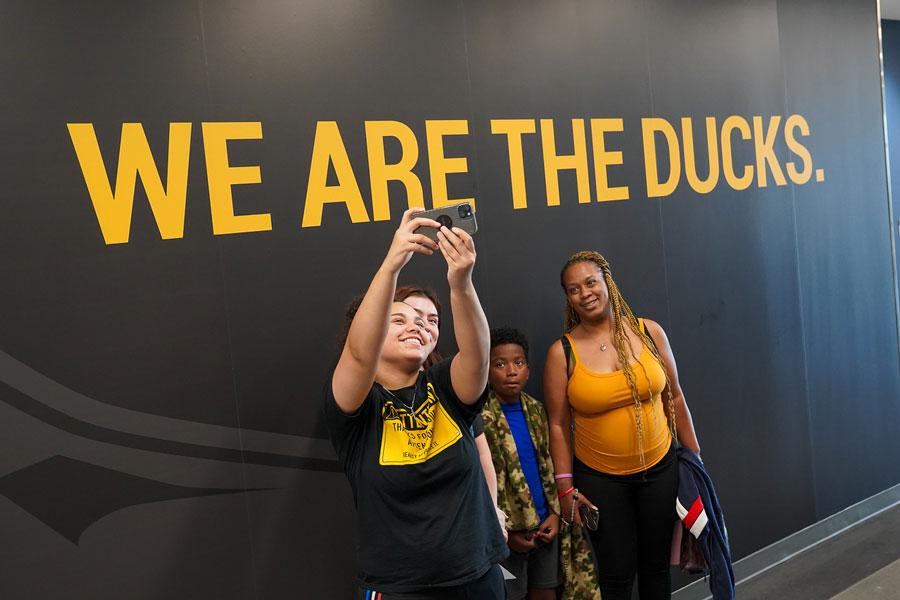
<point>666,354</point>
<point>658,334</point>
<point>653,326</point>
<point>555,357</point>
<point>555,348</point>
<point>555,377</point>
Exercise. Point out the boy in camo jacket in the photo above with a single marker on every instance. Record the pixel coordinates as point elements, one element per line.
<point>518,435</point>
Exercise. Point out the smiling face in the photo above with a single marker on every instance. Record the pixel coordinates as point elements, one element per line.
<point>407,339</point>
<point>429,314</point>
<point>586,290</point>
<point>508,371</point>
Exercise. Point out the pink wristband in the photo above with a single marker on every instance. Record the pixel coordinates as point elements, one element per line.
<point>562,476</point>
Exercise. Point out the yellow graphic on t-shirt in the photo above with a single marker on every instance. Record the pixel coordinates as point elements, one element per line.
<point>410,438</point>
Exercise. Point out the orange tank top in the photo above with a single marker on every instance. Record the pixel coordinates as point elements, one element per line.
<point>606,435</point>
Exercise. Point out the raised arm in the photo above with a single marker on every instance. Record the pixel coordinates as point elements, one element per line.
<point>355,371</point>
<point>469,369</point>
<point>683,422</point>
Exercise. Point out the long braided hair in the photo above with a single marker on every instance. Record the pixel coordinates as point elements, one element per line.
<point>621,315</point>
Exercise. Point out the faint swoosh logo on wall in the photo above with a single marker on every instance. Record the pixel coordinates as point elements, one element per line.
<point>44,399</point>
<point>83,493</point>
<point>69,495</point>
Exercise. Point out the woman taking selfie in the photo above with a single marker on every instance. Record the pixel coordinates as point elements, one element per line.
<point>427,304</point>
<point>426,524</point>
<point>617,375</point>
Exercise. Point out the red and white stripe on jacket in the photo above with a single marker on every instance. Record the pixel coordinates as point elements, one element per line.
<point>695,518</point>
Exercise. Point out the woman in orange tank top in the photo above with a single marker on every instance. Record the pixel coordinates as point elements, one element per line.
<point>618,378</point>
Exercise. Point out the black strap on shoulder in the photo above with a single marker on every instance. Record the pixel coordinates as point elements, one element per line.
<point>567,350</point>
<point>652,341</point>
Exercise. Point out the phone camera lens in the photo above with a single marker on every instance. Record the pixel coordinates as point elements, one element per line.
<point>465,211</point>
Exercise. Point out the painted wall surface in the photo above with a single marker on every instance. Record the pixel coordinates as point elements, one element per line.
<point>194,190</point>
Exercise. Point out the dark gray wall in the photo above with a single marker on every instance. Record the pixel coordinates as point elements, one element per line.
<point>160,422</point>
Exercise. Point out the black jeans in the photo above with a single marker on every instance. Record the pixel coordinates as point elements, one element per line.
<point>489,586</point>
<point>637,515</point>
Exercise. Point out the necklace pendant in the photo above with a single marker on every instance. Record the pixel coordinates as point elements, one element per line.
<point>602,347</point>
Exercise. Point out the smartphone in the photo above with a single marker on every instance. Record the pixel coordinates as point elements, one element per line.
<point>590,517</point>
<point>460,215</point>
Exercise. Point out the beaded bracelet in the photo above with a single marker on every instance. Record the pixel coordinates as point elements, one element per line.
<point>574,504</point>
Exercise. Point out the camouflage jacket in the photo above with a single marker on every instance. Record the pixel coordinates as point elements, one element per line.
<point>514,496</point>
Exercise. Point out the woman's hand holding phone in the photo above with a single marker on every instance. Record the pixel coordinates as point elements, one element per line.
<point>449,228</point>
<point>569,506</point>
<point>406,240</point>
<point>458,249</point>
<point>590,516</point>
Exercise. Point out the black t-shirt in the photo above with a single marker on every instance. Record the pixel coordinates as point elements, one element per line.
<point>477,426</point>
<point>424,514</point>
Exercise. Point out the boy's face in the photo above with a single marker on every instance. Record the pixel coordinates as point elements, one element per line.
<point>508,372</point>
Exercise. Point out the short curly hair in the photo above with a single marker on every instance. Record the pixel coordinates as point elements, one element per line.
<point>509,335</point>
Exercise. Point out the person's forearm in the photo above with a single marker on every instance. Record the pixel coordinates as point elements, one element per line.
<point>561,452</point>
<point>490,477</point>
<point>370,324</point>
<point>559,413</point>
<point>487,465</point>
<point>684,425</point>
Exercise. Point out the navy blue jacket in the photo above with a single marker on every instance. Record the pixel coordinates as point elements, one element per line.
<point>699,510</point>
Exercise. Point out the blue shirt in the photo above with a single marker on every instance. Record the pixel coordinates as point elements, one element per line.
<point>527,457</point>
